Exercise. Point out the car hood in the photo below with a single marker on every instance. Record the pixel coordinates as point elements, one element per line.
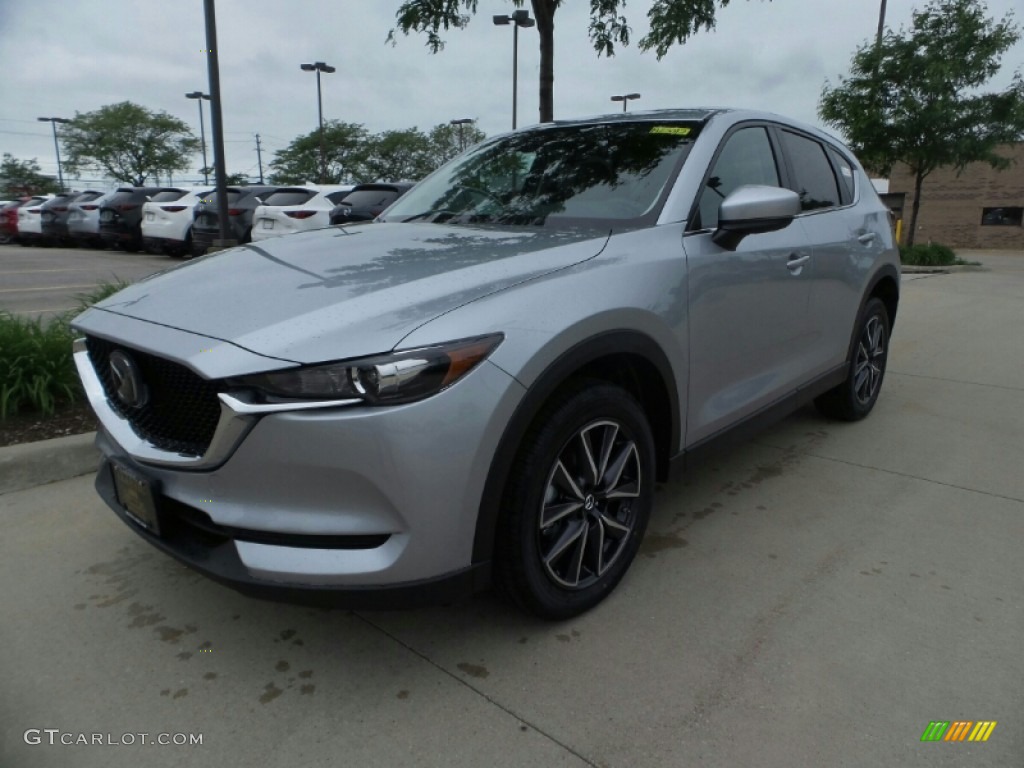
<point>331,294</point>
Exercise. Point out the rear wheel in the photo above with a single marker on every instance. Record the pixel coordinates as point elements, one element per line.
<point>577,502</point>
<point>856,396</point>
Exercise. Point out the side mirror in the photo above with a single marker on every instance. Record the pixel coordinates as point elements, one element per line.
<point>753,209</point>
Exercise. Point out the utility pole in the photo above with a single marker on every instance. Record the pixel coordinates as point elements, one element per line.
<point>259,157</point>
<point>881,24</point>
<point>217,119</point>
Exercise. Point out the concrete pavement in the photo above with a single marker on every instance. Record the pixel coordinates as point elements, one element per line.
<point>813,598</point>
<point>42,282</point>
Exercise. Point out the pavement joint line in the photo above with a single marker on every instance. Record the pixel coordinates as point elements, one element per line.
<point>37,271</point>
<point>475,690</point>
<point>956,381</point>
<point>893,472</point>
<point>47,288</point>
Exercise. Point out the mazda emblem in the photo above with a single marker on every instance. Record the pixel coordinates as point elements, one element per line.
<point>129,387</point>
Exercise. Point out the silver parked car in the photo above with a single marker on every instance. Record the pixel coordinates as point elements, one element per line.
<point>484,385</point>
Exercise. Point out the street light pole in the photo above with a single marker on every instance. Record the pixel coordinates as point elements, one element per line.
<point>217,123</point>
<point>56,146</point>
<point>199,96</point>
<point>462,139</point>
<point>625,99</point>
<point>517,19</point>
<point>319,67</point>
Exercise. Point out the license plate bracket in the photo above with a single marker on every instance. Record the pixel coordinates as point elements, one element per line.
<point>135,493</point>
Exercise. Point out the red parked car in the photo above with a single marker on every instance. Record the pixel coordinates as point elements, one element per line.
<point>9,220</point>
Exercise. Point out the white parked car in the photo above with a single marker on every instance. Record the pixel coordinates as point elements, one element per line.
<point>167,221</point>
<point>84,219</point>
<point>297,209</point>
<point>30,220</point>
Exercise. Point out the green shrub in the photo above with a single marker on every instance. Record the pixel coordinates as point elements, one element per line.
<point>927,255</point>
<point>37,372</point>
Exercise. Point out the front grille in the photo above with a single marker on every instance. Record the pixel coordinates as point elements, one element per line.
<point>183,410</point>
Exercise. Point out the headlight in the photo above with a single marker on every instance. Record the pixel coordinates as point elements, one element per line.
<point>400,377</point>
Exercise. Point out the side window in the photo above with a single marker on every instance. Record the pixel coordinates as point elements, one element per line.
<point>746,158</point>
<point>815,180</point>
<point>845,171</point>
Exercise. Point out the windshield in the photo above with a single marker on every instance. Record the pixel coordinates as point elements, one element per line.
<point>615,173</point>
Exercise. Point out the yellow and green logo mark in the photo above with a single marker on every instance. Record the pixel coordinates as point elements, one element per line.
<point>958,730</point>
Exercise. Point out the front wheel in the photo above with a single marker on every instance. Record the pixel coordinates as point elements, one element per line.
<point>577,502</point>
<point>856,396</point>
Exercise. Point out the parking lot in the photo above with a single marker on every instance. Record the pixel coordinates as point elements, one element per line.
<point>814,597</point>
<point>42,282</point>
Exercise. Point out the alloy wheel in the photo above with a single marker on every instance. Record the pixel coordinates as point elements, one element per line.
<point>587,514</point>
<point>870,362</point>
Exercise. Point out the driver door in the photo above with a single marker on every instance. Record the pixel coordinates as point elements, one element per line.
<point>748,307</point>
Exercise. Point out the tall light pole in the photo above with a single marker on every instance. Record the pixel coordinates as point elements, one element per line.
<point>53,121</point>
<point>199,96</point>
<point>517,19</point>
<point>319,67</point>
<point>625,99</point>
<point>217,123</point>
<point>881,24</point>
<point>461,122</point>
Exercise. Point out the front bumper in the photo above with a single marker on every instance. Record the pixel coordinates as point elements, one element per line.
<point>217,558</point>
<point>335,505</point>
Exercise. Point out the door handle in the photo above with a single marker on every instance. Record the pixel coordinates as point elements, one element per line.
<point>866,238</point>
<point>795,262</point>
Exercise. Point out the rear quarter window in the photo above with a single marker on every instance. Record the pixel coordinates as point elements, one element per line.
<point>844,172</point>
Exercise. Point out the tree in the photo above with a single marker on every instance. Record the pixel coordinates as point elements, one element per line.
<point>399,156</point>
<point>355,155</point>
<point>24,177</point>
<point>913,97</point>
<point>231,180</point>
<point>448,141</point>
<point>672,22</point>
<point>128,142</point>
<point>345,155</point>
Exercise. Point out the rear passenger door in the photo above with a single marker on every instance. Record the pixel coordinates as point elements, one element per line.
<point>844,241</point>
<point>747,308</point>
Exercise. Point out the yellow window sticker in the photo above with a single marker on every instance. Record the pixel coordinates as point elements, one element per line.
<point>675,130</point>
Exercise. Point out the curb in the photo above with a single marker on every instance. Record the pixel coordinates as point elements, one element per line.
<point>911,269</point>
<point>27,465</point>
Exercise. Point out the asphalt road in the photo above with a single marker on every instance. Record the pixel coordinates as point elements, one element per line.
<point>41,282</point>
<point>815,598</point>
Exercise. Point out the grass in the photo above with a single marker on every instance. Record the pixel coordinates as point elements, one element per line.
<point>37,372</point>
<point>930,255</point>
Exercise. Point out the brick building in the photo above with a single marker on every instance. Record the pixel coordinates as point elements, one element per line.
<point>981,208</point>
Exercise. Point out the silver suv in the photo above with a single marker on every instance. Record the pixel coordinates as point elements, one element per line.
<point>485,384</point>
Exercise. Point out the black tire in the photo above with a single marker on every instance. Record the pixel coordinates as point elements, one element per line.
<point>561,566</point>
<point>856,396</point>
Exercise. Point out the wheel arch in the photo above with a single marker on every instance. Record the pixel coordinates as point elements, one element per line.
<point>629,359</point>
<point>885,285</point>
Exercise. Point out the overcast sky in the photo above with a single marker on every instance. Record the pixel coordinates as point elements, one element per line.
<point>60,57</point>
